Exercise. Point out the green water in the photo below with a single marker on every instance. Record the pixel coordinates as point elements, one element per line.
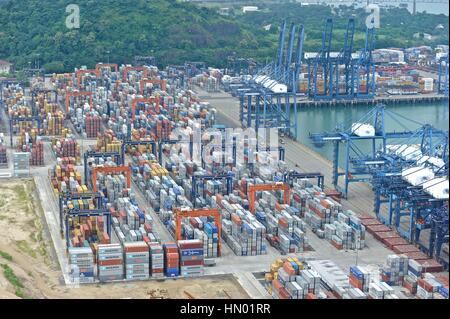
<point>321,119</point>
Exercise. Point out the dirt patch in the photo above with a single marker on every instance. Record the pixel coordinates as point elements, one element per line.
<point>28,270</point>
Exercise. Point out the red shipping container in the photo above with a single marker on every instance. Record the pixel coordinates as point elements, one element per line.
<point>377,228</point>
<point>110,262</point>
<point>409,287</point>
<point>190,244</point>
<point>370,221</point>
<point>236,219</point>
<point>192,263</point>
<point>425,285</point>
<point>136,249</point>
<point>401,249</point>
<point>283,222</point>
<point>443,280</point>
<point>381,236</point>
<point>355,282</point>
<point>330,295</point>
<point>363,216</point>
<point>431,265</point>
<point>105,236</point>
<point>276,285</point>
<point>284,294</point>
<point>325,203</point>
<point>311,296</point>
<point>336,245</point>
<point>416,255</point>
<point>395,241</point>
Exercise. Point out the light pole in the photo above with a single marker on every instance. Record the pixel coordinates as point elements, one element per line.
<point>108,52</point>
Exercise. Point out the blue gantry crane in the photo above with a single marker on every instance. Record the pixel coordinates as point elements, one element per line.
<point>291,176</point>
<point>412,205</point>
<point>342,76</point>
<point>388,178</point>
<point>342,66</point>
<point>199,180</point>
<point>268,99</point>
<point>363,70</point>
<point>66,213</point>
<point>320,79</point>
<point>357,162</point>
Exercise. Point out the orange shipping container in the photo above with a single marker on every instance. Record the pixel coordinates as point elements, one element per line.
<point>276,285</point>
<point>288,268</point>
<point>311,296</point>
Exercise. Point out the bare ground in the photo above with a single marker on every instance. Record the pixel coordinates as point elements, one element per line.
<point>26,249</point>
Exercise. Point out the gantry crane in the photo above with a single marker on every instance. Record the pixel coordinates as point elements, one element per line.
<point>149,100</point>
<point>185,212</point>
<point>127,142</point>
<point>161,82</point>
<point>320,65</point>
<point>65,212</point>
<point>197,179</point>
<point>109,170</point>
<point>77,94</point>
<point>115,156</point>
<point>291,176</point>
<point>127,69</point>
<point>365,65</point>
<point>252,189</point>
<point>357,162</point>
<point>268,99</point>
<point>100,66</point>
<point>344,60</point>
<point>16,119</point>
<point>424,154</point>
<point>79,74</point>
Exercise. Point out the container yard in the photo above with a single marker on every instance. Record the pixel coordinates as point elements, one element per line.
<point>142,180</point>
<point>119,180</point>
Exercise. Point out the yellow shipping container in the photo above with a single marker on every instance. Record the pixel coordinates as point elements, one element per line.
<point>279,262</point>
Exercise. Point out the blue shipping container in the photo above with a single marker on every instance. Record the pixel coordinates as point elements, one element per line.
<point>356,272</point>
<point>443,291</point>
<point>192,252</point>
